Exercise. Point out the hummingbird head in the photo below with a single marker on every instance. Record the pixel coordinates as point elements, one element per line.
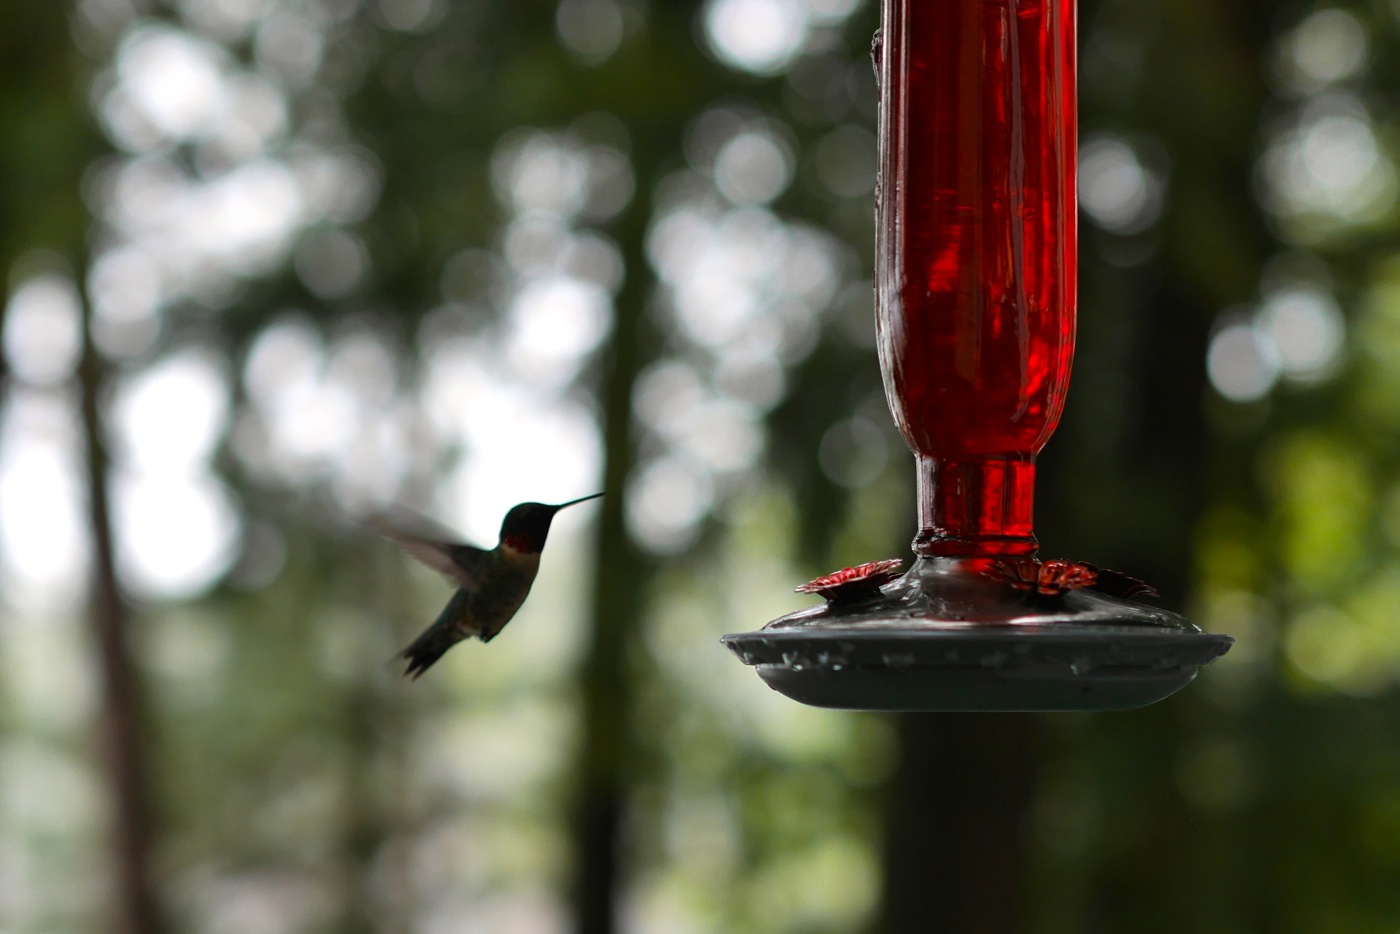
<point>526,526</point>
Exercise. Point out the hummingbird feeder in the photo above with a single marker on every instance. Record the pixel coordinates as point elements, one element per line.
<point>975,290</point>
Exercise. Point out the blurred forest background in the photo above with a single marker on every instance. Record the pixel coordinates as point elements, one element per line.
<point>269,262</point>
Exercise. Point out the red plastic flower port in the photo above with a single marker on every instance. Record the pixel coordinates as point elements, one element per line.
<point>1055,577</point>
<point>857,583</point>
<point>1050,578</point>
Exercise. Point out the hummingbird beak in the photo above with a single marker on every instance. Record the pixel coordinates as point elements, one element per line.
<point>581,499</point>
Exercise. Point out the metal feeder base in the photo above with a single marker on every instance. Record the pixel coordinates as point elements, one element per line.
<point>944,637</point>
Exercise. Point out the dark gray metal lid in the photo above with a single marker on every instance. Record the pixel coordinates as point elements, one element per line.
<point>947,637</point>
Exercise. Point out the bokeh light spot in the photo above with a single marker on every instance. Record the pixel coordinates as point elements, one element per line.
<point>1115,189</point>
<point>174,80</point>
<point>175,535</point>
<point>1326,47</point>
<point>1327,645</point>
<point>753,168</point>
<point>591,29</point>
<point>332,263</point>
<point>169,417</point>
<point>43,532</point>
<point>760,36</point>
<point>42,335</point>
<point>124,285</point>
<point>289,47</point>
<point>666,502</point>
<point>1241,364</point>
<point>534,172</point>
<point>1329,163</point>
<point>553,323</point>
<point>1306,328</point>
<point>411,15</point>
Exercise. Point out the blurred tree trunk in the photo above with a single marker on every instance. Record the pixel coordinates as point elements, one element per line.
<point>45,146</point>
<point>135,910</point>
<point>621,577</point>
<point>956,821</point>
<point>1166,464</point>
<point>46,149</point>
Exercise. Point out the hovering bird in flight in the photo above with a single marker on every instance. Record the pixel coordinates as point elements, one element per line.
<point>491,585</point>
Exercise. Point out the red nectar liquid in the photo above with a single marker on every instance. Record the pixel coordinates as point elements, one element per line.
<point>976,253</point>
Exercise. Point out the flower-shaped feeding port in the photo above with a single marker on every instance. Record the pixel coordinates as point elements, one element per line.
<point>975,288</point>
<point>854,585</point>
<point>1055,577</point>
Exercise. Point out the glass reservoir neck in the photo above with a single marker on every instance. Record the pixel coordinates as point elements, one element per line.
<point>976,253</point>
<point>976,507</point>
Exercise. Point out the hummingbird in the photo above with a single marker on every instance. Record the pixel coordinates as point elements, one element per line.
<point>491,585</point>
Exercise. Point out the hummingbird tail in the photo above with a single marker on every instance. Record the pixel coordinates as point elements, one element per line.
<point>428,648</point>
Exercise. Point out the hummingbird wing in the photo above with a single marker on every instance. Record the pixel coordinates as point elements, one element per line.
<point>458,562</point>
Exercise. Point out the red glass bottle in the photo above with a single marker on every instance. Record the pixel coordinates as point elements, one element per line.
<point>975,289</point>
<point>975,285</point>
